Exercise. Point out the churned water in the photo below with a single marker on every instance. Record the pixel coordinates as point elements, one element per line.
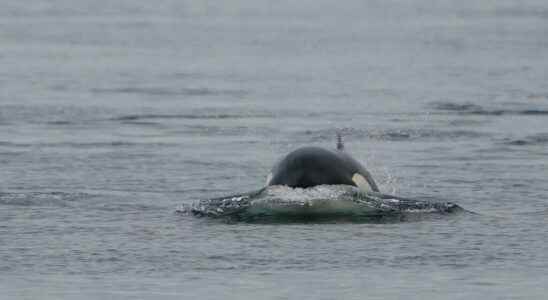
<point>113,114</point>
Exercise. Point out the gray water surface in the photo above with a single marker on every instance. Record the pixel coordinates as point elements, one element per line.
<point>112,114</point>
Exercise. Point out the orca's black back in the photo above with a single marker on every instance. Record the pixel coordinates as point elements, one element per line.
<point>312,166</point>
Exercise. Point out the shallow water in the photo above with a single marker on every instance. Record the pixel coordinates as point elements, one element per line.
<point>114,114</point>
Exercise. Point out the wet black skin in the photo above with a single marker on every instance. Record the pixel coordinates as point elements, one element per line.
<point>312,166</point>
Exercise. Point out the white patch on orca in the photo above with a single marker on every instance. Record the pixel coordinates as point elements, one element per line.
<point>268,178</point>
<point>361,182</point>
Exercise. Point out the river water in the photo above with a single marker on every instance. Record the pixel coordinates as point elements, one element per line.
<point>113,114</point>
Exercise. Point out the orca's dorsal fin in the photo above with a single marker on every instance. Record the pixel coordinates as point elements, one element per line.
<point>340,144</point>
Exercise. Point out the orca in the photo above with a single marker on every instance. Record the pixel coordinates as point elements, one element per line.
<point>306,168</point>
<point>312,166</point>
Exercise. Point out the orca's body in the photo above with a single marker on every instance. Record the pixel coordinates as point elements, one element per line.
<point>312,166</point>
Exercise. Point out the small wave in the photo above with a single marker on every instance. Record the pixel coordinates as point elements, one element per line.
<point>474,109</point>
<point>80,145</point>
<point>136,117</point>
<point>60,122</point>
<point>540,213</point>
<point>403,134</point>
<point>10,153</point>
<point>126,207</point>
<point>467,122</point>
<point>60,199</point>
<point>163,91</point>
<point>534,112</point>
<point>3,143</point>
<point>222,130</point>
<point>50,114</point>
<point>326,202</point>
<point>429,134</point>
<point>143,123</point>
<point>460,107</point>
<point>537,139</point>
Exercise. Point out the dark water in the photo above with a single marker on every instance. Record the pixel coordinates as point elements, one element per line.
<point>114,113</point>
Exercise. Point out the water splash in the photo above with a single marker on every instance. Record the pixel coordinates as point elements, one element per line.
<point>320,202</point>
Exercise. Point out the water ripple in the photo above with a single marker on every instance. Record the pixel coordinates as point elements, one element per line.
<point>135,117</point>
<point>164,91</point>
<point>474,109</point>
<point>82,145</point>
<point>537,139</point>
<point>395,134</point>
<point>58,199</point>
